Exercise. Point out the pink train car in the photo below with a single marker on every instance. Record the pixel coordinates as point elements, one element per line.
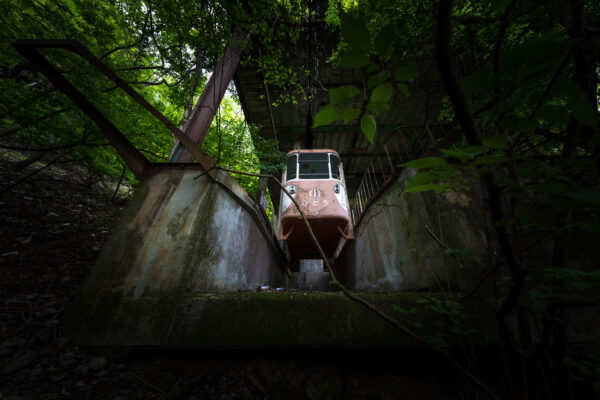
<point>315,178</point>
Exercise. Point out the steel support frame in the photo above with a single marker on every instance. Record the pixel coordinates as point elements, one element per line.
<point>205,109</point>
<point>141,167</point>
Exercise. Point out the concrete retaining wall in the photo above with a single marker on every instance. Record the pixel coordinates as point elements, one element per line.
<point>178,236</point>
<point>393,251</point>
<point>262,320</point>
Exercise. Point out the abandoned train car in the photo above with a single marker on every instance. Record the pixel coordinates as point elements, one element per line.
<point>315,178</point>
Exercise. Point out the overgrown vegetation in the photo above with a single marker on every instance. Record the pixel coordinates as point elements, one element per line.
<point>521,80</point>
<point>522,85</point>
<point>165,51</point>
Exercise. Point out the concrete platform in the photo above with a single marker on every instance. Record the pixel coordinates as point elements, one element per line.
<point>250,320</point>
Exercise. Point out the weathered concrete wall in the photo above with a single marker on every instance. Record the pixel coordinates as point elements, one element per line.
<point>181,233</point>
<point>178,236</point>
<point>393,251</point>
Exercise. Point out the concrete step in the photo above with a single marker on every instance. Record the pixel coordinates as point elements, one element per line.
<point>311,281</point>
<point>252,320</point>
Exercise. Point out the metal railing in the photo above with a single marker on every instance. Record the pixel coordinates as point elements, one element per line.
<point>397,147</point>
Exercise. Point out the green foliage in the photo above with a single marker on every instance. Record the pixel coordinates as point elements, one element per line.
<point>166,51</point>
<point>446,319</point>
<point>367,42</point>
<point>529,75</point>
<point>240,147</point>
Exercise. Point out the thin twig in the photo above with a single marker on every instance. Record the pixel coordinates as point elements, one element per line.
<point>119,184</point>
<point>444,245</point>
<point>33,173</point>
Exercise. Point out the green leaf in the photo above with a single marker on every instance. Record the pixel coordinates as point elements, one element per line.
<point>326,116</point>
<point>513,123</point>
<point>557,114</point>
<point>352,91</point>
<point>422,178</point>
<point>582,108</point>
<point>368,126</point>
<point>376,80</point>
<point>425,163</point>
<point>342,94</point>
<point>529,59</point>
<point>405,71</point>
<point>466,153</point>
<point>438,187</point>
<point>403,88</point>
<point>585,195</point>
<point>383,40</point>
<point>378,106</point>
<point>372,68</point>
<point>585,113</point>
<point>382,93</point>
<point>492,159</point>
<point>499,5</point>
<point>595,141</point>
<point>355,32</point>
<point>495,141</point>
<point>554,187</point>
<point>349,115</point>
<point>481,81</point>
<point>338,95</point>
<point>354,59</point>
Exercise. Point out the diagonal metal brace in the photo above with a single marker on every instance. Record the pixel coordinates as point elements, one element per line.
<point>140,166</point>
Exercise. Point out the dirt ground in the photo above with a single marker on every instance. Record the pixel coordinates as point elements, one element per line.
<point>52,227</point>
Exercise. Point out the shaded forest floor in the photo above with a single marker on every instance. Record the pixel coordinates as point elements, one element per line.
<point>52,228</point>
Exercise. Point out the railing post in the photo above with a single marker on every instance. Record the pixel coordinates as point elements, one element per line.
<point>387,153</point>
<point>381,167</point>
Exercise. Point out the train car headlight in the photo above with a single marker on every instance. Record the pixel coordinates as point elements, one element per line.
<point>285,199</point>
<point>340,194</point>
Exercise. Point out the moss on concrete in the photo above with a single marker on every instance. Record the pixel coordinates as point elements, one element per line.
<point>253,319</point>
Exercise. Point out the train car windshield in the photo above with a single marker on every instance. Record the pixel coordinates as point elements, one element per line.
<point>313,166</point>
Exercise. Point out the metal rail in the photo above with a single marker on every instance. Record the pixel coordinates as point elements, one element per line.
<point>397,147</point>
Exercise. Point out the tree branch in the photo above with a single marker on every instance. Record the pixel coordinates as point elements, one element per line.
<point>67,146</point>
<point>31,122</point>
<point>448,73</point>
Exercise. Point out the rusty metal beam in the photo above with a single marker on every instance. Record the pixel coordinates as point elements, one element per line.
<point>28,48</point>
<point>139,165</point>
<point>197,125</point>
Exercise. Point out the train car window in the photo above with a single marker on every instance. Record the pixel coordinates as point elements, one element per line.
<point>291,167</point>
<point>313,166</point>
<point>335,166</point>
